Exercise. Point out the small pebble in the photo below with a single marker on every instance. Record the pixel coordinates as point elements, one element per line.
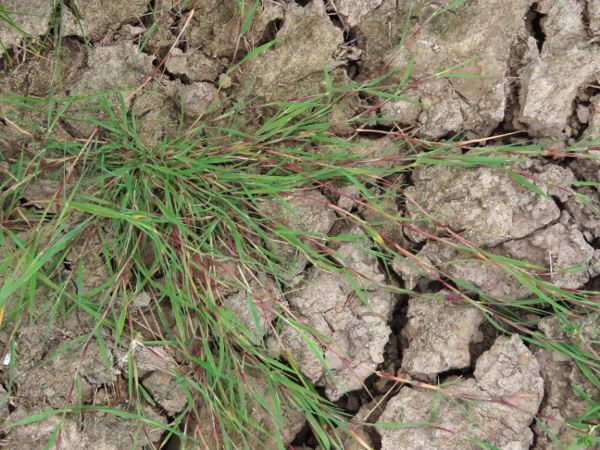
<point>583,113</point>
<point>224,81</point>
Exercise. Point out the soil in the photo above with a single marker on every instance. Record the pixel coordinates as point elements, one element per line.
<point>536,65</point>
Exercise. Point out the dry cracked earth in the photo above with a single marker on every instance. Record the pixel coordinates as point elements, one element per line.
<point>538,61</point>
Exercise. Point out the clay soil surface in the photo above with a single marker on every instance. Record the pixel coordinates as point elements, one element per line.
<point>459,321</point>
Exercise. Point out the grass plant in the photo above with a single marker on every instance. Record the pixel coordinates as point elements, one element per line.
<point>185,221</point>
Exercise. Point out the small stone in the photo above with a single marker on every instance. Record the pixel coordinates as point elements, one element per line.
<point>224,81</point>
<point>583,113</point>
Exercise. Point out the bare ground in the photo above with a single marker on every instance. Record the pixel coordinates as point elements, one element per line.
<point>538,64</point>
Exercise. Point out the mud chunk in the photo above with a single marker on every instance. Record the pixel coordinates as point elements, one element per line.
<point>475,103</point>
<point>549,84</point>
<point>583,113</point>
<point>99,431</point>
<point>265,302</point>
<point>147,359</point>
<point>98,17</point>
<point>196,97</point>
<point>381,153</point>
<point>89,257</point>
<point>405,112</point>
<point>557,247</point>
<point>485,206</point>
<point>439,333</point>
<point>391,229</point>
<point>157,116</point>
<point>594,15</point>
<point>350,192</point>
<point>588,169</point>
<point>354,10</point>
<point>213,28</point>
<point>553,250</point>
<point>508,368</point>
<point>108,69</point>
<point>491,210</point>
<point>155,368</point>
<point>585,219</point>
<point>294,66</point>
<point>31,17</point>
<point>308,213</point>
<point>165,391</point>
<point>443,113</point>
<point>45,372</point>
<point>328,303</point>
<point>552,78</point>
<point>194,65</point>
<point>561,375</point>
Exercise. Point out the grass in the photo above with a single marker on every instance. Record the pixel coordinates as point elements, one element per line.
<point>187,222</point>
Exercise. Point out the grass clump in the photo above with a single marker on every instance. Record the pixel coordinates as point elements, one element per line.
<point>186,223</point>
